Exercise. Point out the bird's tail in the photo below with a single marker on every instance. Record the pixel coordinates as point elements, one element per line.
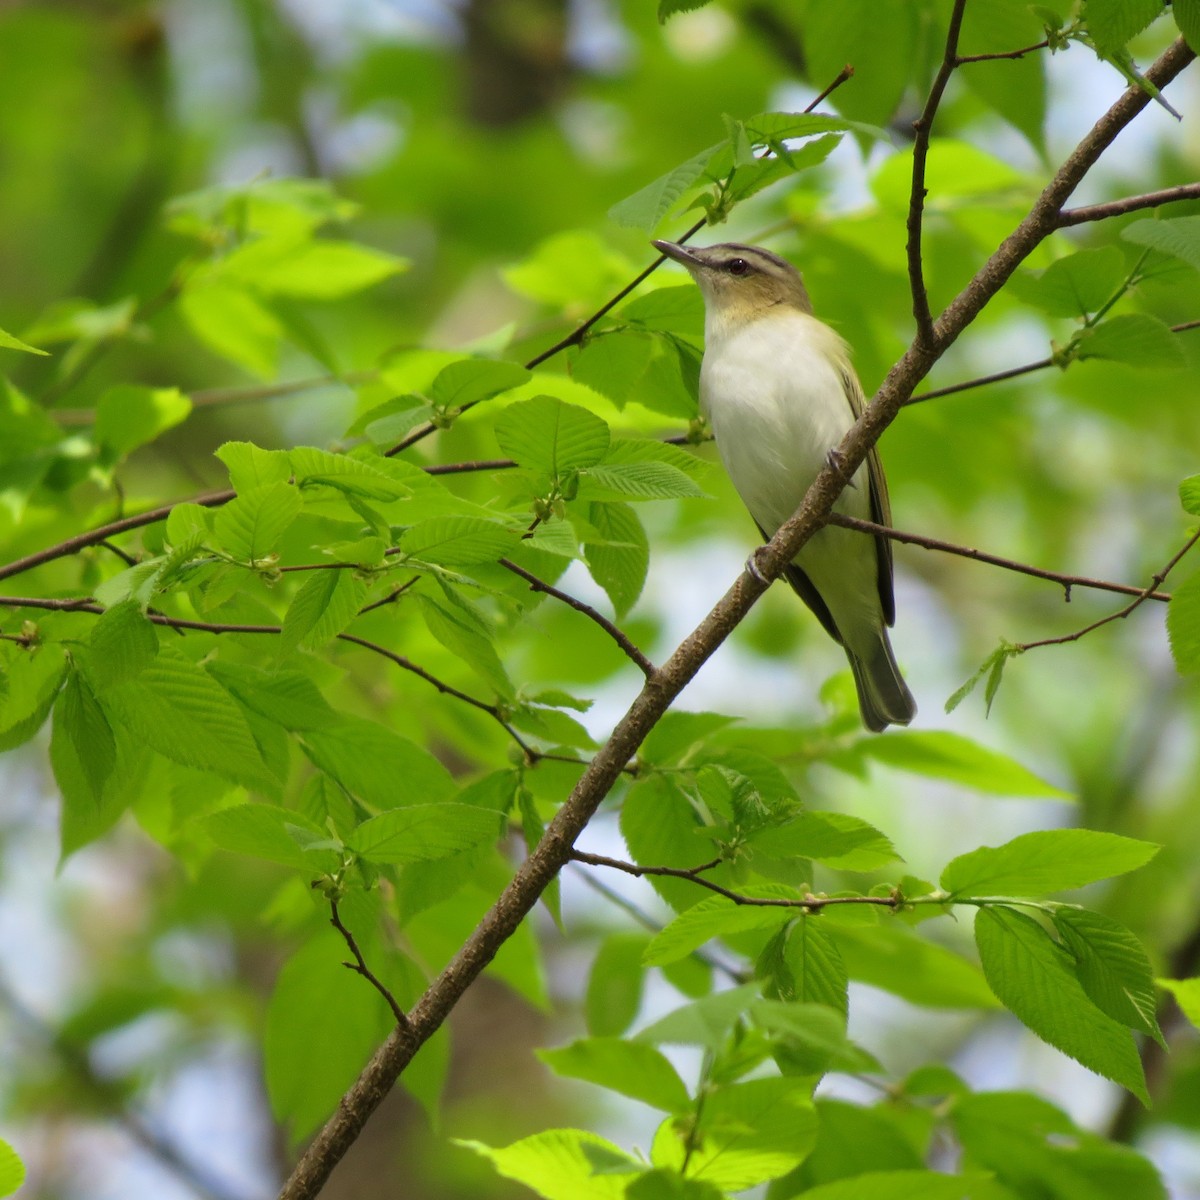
<point>883,696</point>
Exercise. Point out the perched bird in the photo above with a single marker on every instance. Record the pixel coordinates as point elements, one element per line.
<point>779,392</point>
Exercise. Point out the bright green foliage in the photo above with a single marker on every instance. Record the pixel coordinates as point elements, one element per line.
<point>1051,860</point>
<point>1112,23</point>
<point>1032,976</point>
<point>345,690</point>
<point>12,1170</point>
<point>1029,1144</point>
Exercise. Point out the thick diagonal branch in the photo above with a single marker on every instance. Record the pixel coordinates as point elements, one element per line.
<point>554,850</point>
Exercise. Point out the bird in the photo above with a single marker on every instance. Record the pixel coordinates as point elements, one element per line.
<point>779,392</point>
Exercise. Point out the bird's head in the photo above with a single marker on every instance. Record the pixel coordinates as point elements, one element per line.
<point>741,283</point>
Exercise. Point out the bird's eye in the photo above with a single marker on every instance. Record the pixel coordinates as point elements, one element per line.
<point>737,266</point>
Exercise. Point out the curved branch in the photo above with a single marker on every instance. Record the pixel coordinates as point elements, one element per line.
<point>806,903</point>
<point>540,585</point>
<point>1007,564</point>
<point>1144,595</point>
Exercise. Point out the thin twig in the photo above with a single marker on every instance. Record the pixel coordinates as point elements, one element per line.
<point>976,58</point>
<point>1012,373</point>
<point>1120,614</point>
<point>1117,208</point>
<point>359,965</point>
<point>1067,582</point>
<point>808,902</point>
<point>923,130</point>
<point>93,537</point>
<point>622,640</point>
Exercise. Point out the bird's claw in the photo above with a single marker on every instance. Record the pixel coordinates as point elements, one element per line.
<point>754,570</point>
<point>834,459</point>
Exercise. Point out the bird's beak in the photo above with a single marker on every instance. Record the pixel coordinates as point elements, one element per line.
<point>679,253</point>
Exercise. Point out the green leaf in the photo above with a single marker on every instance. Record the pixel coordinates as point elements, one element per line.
<point>660,826</point>
<point>1045,861</point>
<point>678,732</point>
<point>289,698</point>
<point>251,526</point>
<point>278,835</point>
<point>900,1185</point>
<point>1034,1149</point>
<point>1113,23</point>
<point>836,839</point>
<point>234,324</point>
<point>8,342</point>
<point>1177,238</point>
<point>1081,283</point>
<point>1187,996</point>
<point>474,379</point>
<point>312,270</point>
<point>1113,968</point>
<point>674,309</point>
<point>844,1130</point>
<point>668,8</point>
<point>458,541</point>
<point>746,1134</point>
<point>1031,976</point>
<point>251,467</point>
<point>614,362</point>
<point>647,206</point>
<point>561,1164</point>
<point>419,832</point>
<point>632,1068</point>
<point>128,417</point>
<point>379,767</point>
<point>352,476</point>
<point>614,990</point>
<point>12,1169</point>
<point>457,626</point>
<point>1187,18</point>
<point>1137,339</point>
<point>714,918</point>
<point>705,1022</point>
<point>942,755</point>
<point>1183,626</point>
<point>636,481</point>
<point>1013,88</point>
<point>670,1185</point>
<point>813,1036</point>
<point>181,711</point>
<point>548,435</point>
<point>802,963</point>
<point>322,607</point>
<point>79,719</point>
<point>883,61</point>
<point>1189,490</point>
<point>123,643</point>
<point>618,564</point>
<point>895,959</point>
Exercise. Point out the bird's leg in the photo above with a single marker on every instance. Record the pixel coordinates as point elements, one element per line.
<point>834,459</point>
<point>754,570</point>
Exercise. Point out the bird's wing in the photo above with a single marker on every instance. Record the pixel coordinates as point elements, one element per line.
<point>881,508</point>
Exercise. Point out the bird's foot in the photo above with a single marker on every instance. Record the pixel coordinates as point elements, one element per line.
<point>835,460</point>
<point>754,569</point>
